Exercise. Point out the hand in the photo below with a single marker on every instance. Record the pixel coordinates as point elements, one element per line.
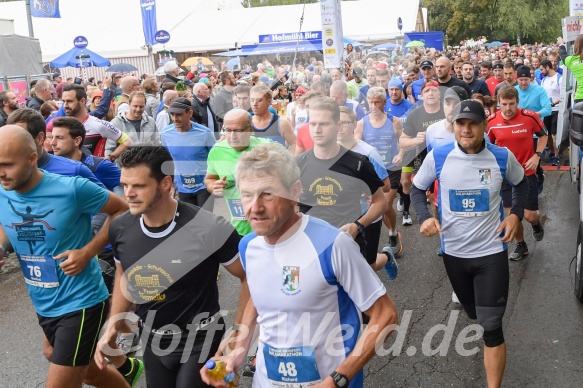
<point>106,347</point>
<point>112,157</point>
<point>430,227</point>
<point>510,223</point>
<point>232,366</point>
<point>532,163</point>
<point>420,138</point>
<point>75,261</point>
<point>219,186</point>
<point>106,82</point>
<point>351,229</point>
<point>560,41</point>
<point>327,383</point>
<point>398,159</point>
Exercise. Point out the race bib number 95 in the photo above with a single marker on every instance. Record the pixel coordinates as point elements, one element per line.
<point>469,203</point>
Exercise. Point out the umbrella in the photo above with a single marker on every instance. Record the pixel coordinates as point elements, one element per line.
<point>192,61</point>
<point>494,44</point>
<point>415,43</point>
<point>68,59</point>
<point>121,68</point>
<point>231,63</point>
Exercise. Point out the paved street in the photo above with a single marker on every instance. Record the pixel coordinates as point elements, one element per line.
<point>543,323</point>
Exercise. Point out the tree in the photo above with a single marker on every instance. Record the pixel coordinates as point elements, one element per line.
<point>531,20</point>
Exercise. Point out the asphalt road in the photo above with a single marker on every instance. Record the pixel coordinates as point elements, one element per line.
<point>543,323</point>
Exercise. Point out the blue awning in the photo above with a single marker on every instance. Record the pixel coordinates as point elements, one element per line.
<point>281,48</point>
<point>68,59</point>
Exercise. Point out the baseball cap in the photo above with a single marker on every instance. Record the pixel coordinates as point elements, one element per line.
<point>56,75</point>
<point>430,83</point>
<point>498,66</point>
<point>470,109</point>
<point>457,93</point>
<point>523,71</point>
<point>357,72</point>
<point>426,63</point>
<point>179,105</point>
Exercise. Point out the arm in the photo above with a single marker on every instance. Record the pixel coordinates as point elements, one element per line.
<point>358,130</point>
<point>101,110</point>
<point>214,184</point>
<point>4,242</point>
<point>124,142</point>
<point>377,207</point>
<point>484,89</point>
<point>407,142</point>
<point>562,49</point>
<point>398,127</point>
<point>77,259</point>
<point>511,223</point>
<point>288,134</point>
<point>236,269</point>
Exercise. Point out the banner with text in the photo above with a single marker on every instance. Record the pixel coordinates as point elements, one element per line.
<point>332,36</point>
<point>149,20</point>
<point>45,9</point>
<point>290,36</point>
<point>576,7</point>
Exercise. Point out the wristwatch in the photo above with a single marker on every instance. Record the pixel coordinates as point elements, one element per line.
<point>540,155</point>
<point>360,226</point>
<point>340,381</point>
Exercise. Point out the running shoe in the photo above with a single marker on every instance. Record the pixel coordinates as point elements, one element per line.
<point>135,373</point>
<point>538,232</point>
<point>551,156</point>
<point>520,252</point>
<point>454,298</point>
<point>400,205</point>
<point>407,221</point>
<point>129,343</point>
<point>554,161</point>
<point>440,252</point>
<point>391,268</point>
<point>395,244</point>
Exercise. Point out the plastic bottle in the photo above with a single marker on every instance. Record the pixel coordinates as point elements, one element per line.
<point>218,372</point>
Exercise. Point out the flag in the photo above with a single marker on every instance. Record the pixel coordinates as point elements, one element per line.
<point>149,20</point>
<point>45,8</point>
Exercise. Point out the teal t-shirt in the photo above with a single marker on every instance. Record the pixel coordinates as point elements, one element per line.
<point>48,220</point>
<point>221,162</point>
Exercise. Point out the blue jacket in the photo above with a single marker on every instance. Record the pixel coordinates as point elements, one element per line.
<point>535,99</point>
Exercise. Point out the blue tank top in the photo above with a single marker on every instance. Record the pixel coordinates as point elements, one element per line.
<point>383,139</point>
<point>271,132</point>
<point>401,110</point>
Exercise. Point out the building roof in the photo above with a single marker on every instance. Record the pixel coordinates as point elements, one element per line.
<point>113,28</point>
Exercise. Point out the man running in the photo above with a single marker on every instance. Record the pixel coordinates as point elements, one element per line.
<point>267,124</point>
<point>47,220</point>
<point>514,128</point>
<point>301,272</point>
<point>167,256</point>
<point>471,174</point>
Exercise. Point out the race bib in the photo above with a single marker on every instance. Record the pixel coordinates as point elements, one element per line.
<point>469,203</point>
<point>292,367</point>
<point>236,209</point>
<point>39,271</point>
<point>190,181</point>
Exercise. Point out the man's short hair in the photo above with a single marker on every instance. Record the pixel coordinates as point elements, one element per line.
<point>271,159</point>
<point>372,69</point>
<point>318,87</point>
<point>262,89</point>
<point>35,123</point>
<point>382,72</point>
<point>155,157</point>
<point>42,84</point>
<point>328,104</point>
<point>309,95</point>
<point>224,76</point>
<point>242,89</point>
<point>544,63</point>
<point>75,127</point>
<point>148,85</point>
<point>4,97</point>
<point>486,65</point>
<point>458,62</point>
<point>169,95</point>
<point>509,64</point>
<point>377,91</point>
<point>78,89</point>
<point>168,86</point>
<point>508,92</point>
<point>137,93</point>
<point>349,112</point>
<point>340,86</point>
<point>197,86</point>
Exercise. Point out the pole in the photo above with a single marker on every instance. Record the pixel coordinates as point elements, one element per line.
<point>29,19</point>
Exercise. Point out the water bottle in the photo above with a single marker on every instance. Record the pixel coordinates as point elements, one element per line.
<point>218,372</point>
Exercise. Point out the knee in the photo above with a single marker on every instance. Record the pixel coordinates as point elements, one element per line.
<point>493,338</point>
<point>492,325</point>
<point>48,353</point>
<point>531,216</point>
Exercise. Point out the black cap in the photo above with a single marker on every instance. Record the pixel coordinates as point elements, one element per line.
<point>357,72</point>
<point>523,71</point>
<point>456,92</point>
<point>426,63</point>
<point>179,105</point>
<point>498,66</point>
<point>470,109</point>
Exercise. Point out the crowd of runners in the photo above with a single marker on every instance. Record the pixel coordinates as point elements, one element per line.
<point>109,188</point>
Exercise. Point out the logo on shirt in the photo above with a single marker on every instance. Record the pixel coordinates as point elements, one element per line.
<point>148,283</point>
<point>290,280</point>
<point>27,230</point>
<point>324,189</point>
<point>519,131</point>
<point>485,177</point>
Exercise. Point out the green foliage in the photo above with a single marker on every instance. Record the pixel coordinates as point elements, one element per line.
<point>504,20</point>
<point>265,3</point>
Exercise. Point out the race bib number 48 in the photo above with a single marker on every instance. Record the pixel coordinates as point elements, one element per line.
<point>291,367</point>
<point>39,271</point>
<point>469,203</point>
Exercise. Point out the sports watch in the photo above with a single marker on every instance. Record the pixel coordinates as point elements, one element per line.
<point>340,381</point>
<point>540,155</point>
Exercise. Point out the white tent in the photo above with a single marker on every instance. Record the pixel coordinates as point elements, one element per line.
<point>114,27</point>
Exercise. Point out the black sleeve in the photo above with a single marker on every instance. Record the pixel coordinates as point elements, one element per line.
<point>230,248</point>
<point>484,89</point>
<point>196,115</point>
<point>563,52</point>
<point>419,201</point>
<point>369,176</point>
<point>465,85</point>
<point>519,198</point>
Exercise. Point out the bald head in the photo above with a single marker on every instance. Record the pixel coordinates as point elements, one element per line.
<point>15,137</point>
<point>128,83</point>
<point>241,116</point>
<point>18,158</point>
<point>238,128</point>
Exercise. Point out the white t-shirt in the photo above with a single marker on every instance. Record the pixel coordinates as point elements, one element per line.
<point>306,291</point>
<point>470,204</point>
<point>552,86</point>
<point>438,135</point>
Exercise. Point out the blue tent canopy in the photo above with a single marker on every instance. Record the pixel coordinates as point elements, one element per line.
<point>384,47</point>
<point>354,43</point>
<point>288,47</point>
<point>68,59</point>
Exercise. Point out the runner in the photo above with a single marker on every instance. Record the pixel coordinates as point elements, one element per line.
<point>170,252</point>
<point>514,128</point>
<point>325,285</point>
<point>470,174</point>
<point>47,220</point>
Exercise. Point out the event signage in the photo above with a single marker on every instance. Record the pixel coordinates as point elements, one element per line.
<point>149,20</point>
<point>45,9</point>
<point>333,37</point>
<point>575,7</point>
<point>80,42</point>
<point>162,36</point>
<point>290,36</point>
<point>400,23</point>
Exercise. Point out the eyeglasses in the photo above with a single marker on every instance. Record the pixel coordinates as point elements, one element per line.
<point>346,123</point>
